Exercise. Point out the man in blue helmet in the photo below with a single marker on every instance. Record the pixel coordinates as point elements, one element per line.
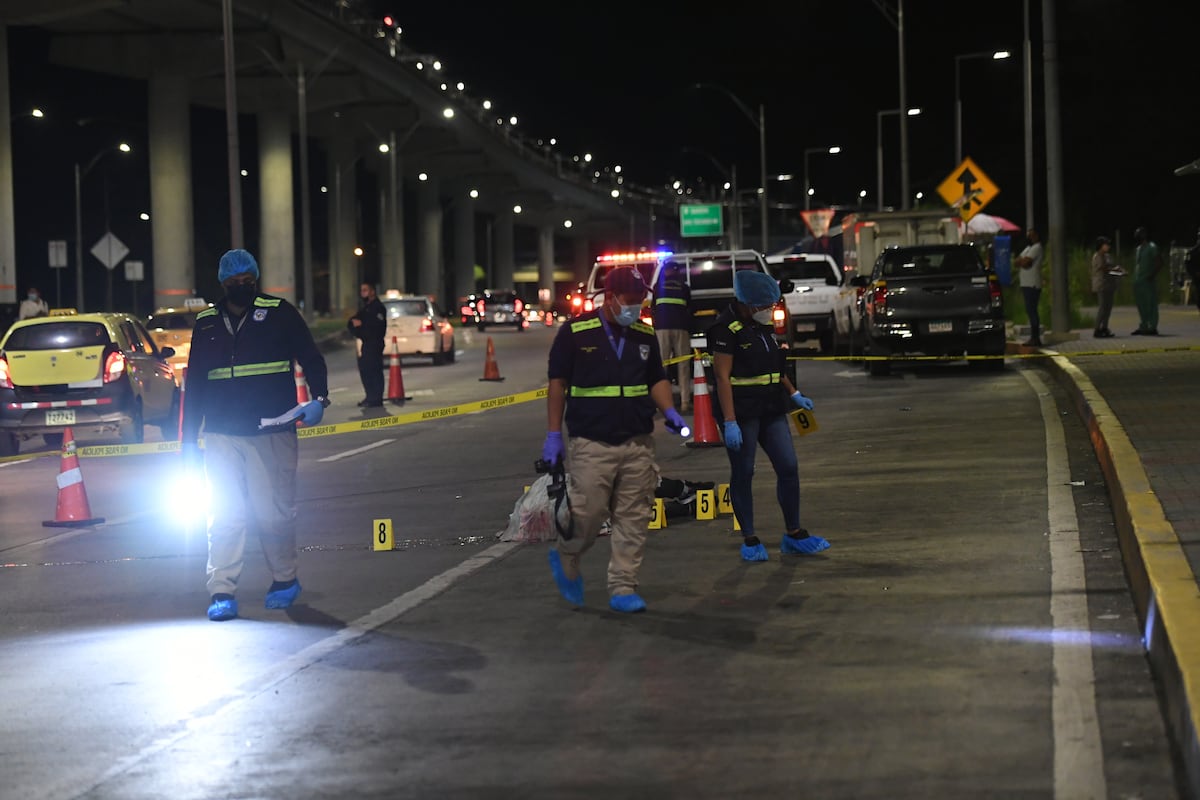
<point>239,384</point>
<point>606,380</point>
<point>754,397</point>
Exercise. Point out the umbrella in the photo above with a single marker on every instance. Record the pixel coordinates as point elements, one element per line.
<point>986,223</point>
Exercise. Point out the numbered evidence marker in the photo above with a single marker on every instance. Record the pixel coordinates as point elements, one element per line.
<point>658,519</point>
<point>382,535</point>
<point>706,504</point>
<point>803,421</point>
<point>724,504</point>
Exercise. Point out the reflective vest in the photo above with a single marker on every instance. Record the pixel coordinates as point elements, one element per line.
<point>757,374</point>
<point>671,309</point>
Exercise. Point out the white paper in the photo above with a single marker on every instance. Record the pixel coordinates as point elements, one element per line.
<point>286,418</point>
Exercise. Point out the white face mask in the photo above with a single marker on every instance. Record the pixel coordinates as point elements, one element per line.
<point>627,315</point>
<point>764,317</point>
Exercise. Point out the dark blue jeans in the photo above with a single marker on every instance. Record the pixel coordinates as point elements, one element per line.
<point>1032,296</point>
<point>775,436</point>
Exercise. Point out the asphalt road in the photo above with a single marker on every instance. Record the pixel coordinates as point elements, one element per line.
<point>969,634</point>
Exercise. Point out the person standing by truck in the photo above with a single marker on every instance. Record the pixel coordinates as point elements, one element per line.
<point>1147,265</point>
<point>672,326</point>
<point>369,326</point>
<point>755,395</point>
<point>1029,263</point>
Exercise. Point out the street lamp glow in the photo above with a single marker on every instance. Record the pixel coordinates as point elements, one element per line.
<point>726,186</point>
<point>448,112</point>
<point>460,86</point>
<point>553,141</point>
<point>124,148</point>
<point>1000,55</point>
<point>784,177</point>
<point>421,65</point>
<point>675,185</point>
<point>422,176</point>
<point>474,194</point>
<point>437,65</point>
<point>444,87</point>
<point>384,147</point>
<point>144,217</point>
<point>324,190</point>
<point>567,223</point>
<point>587,157</point>
<point>37,112</point>
<point>512,120</point>
<point>487,105</point>
<point>862,193</point>
<point>516,209</point>
<point>358,251</point>
<point>615,193</point>
<point>914,112</point>
<point>617,169</point>
<point>920,195</point>
<point>245,173</point>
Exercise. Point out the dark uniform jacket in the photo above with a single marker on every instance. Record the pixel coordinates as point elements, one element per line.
<point>372,330</point>
<point>757,366</point>
<point>671,298</point>
<point>608,398</point>
<point>240,370</point>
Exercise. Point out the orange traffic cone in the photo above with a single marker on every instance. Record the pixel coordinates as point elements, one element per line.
<point>72,510</point>
<point>395,377</point>
<point>704,426</point>
<point>301,385</point>
<point>491,372</point>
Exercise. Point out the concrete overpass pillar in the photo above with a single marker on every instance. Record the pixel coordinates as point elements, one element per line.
<point>174,244</point>
<point>429,242</point>
<point>583,259</point>
<point>8,239</point>
<point>393,223</point>
<point>464,247</point>
<point>503,253</point>
<point>546,262</point>
<point>277,238</point>
<point>343,227</point>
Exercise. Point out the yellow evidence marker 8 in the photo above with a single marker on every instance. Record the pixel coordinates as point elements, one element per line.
<point>706,504</point>
<point>382,535</point>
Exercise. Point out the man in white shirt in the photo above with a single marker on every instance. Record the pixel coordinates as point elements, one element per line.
<point>1029,264</point>
<point>33,305</point>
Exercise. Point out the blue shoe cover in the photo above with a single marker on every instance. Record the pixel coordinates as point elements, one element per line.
<point>572,591</point>
<point>283,598</point>
<point>755,552</point>
<point>627,603</point>
<point>803,547</point>
<point>222,610</point>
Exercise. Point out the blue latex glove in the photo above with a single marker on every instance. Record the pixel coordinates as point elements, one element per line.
<point>312,412</point>
<point>552,449</point>
<point>733,435</point>
<point>802,401</point>
<point>674,420</point>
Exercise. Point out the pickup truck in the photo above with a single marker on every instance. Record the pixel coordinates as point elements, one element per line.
<point>937,299</point>
<point>821,303</point>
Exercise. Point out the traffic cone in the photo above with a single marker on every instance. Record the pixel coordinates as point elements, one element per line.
<point>704,426</point>
<point>395,378</point>
<point>491,372</point>
<point>72,510</point>
<point>302,396</point>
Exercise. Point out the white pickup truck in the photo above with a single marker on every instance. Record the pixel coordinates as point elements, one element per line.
<point>821,305</point>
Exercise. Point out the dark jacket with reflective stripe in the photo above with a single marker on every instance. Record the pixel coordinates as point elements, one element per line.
<point>608,400</point>
<point>757,366</point>
<point>671,311</point>
<point>236,379</point>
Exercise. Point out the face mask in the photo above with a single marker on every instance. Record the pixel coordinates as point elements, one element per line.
<point>628,315</point>
<point>33,297</point>
<point>763,317</point>
<point>242,294</point>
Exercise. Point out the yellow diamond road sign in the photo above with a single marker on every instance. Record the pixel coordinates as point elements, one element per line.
<point>968,189</point>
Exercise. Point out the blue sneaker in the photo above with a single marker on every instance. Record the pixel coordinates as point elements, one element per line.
<point>283,598</point>
<point>627,603</point>
<point>222,608</point>
<point>806,545</point>
<point>572,591</point>
<point>754,552</point>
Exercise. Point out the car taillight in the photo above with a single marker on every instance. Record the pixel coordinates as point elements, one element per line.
<point>114,367</point>
<point>518,306</point>
<point>5,378</point>
<point>779,318</point>
<point>426,325</point>
<point>879,297</point>
<point>588,305</point>
<point>994,291</point>
<point>479,307</point>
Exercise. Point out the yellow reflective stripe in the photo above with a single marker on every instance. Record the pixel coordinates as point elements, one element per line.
<point>735,326</point>
<point>676,301</point>
<point>584,325</point>
<point>263,302</point>
<point>755,380</point>
<point>249,370</point>
<point>208,312</point>
<point>640,326</point>
<point>638,390</point>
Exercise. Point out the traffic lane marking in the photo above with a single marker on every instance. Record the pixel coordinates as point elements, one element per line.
<point>356,451</point>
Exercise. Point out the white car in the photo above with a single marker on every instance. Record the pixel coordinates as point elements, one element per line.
<point>822,303</point>
<point>417,327</point>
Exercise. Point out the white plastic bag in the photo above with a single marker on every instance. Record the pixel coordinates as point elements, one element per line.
<point>532,517</point>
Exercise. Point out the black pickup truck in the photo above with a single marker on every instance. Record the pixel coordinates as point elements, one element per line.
<point>939,300</point>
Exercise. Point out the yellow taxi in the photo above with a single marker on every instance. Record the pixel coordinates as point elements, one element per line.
<point>172,327</point>
<point>100,374</point>
<point>416,326</point>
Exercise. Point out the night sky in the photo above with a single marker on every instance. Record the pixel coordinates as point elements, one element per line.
<point>614,79</point>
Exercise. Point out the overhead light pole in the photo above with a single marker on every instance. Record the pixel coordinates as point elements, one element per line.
<point>761,124</point>
<point>995,55</point>
<point>879,115</point>
<point>80,174</point>
<point>833,151</point>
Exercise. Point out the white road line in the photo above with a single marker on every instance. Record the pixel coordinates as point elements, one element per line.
<point>1078,756</point>
<point>356,451</point>
<point>273,676</point>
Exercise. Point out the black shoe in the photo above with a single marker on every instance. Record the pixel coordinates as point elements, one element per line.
<point>1138,332</point>
<point>1151,332</point>
<point>363,402</point>
<point>371,404</point>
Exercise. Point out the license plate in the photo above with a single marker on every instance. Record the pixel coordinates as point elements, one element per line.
<point>941,327</point>
<point>806,327</point>
<point>64,416</point>
<point>498,316</point>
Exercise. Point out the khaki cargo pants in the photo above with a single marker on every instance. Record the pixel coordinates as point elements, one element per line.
<point>253,480</point>
<point>611,482</point>
<point>673,343</point>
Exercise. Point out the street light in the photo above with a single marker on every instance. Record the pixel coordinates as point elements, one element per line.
<point>833,151</point>
<point>761,124</point>
<point>997,55</point>
<point>879,115</point>
<point>80,174</point>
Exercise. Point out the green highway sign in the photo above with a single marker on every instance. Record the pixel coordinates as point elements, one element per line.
<point>696,219</point>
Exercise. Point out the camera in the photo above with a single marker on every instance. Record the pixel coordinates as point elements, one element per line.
<point>558,476</point>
